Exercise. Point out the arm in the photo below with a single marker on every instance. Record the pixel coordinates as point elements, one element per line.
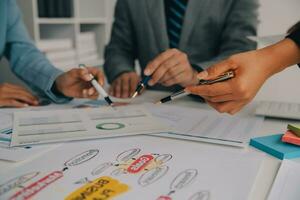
<point>120,52</point>
<point>26,61</point>
<point>240,23</point>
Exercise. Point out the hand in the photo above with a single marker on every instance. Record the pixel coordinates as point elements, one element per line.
<point>75,83</point>
<point>251,71</point>
<point>16,96</point>
<point>124,85</point>
<point>170,68</point>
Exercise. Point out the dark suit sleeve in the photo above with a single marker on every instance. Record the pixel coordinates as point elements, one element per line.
<point>241,22</point>
<point>120,52</point>
<point>295,36</point>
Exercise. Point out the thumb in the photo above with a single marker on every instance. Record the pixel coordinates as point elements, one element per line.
<point>216,70</point>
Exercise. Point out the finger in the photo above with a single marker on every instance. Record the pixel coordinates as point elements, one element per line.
<point>97,74</point>
<point>92,92</point>
<point>154,64</point>
<point>161,71</point>
<point>125,82</point>
<point>111,90</point>
<point>117,89</point>
<point>216,89</point>
<point>222,98</point>
<point>81,73</point>
<point>216,70</point>
<point>12,103</point>
<point>22,95</point>
<point>175,80</point>
<point>10,89</point>
<point>172,72</point>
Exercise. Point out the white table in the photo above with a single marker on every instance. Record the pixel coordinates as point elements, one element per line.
<point>269,166</point>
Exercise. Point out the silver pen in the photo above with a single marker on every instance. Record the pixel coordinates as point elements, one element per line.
<point>183,93</point>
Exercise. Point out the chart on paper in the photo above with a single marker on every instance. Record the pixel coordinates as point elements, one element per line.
<point>35,127</point>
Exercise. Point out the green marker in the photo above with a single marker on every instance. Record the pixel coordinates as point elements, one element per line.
<point>295,129</point>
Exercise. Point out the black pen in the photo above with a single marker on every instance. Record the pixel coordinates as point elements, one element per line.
<point>183,93</point>
<point>141,86</point>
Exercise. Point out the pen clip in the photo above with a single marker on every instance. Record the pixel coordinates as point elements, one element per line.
<point>223,77</point>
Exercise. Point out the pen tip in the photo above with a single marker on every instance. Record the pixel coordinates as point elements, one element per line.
<point>134,95</point>
<point>159,102</point>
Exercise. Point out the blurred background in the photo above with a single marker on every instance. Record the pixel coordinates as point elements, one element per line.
<point>76,31</point>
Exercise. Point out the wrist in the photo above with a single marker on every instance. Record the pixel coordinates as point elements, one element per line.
<point>279,56</point>
<point>56,89</point>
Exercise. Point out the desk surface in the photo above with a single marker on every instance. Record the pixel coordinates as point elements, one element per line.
<point>269,167</point>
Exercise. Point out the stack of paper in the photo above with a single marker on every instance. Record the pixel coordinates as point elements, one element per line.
<point>87,49</point>
<point>60,52</point>
<point>206,126</point>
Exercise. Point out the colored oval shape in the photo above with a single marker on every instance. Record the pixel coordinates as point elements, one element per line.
<point>101,168</point>
<point>164,198</point>
<point>34,188</point>
<point>83,157</point>
<point>139,164</point>
<point>16,182</point>
<point>153,175</point>
<point>202,195</point>
<point>163,158</point>
<point>183,179</point>
<point>127,155</point>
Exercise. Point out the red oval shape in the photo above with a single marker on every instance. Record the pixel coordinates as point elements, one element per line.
<point>139,164</point>
<point>29,191</point>
<point>164,198</point>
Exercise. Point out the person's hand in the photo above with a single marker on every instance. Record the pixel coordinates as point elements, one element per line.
<point>16,96</point>
<point>171,67</point>
<point>251,71</point>
<point>75,83</point>
<point>124,85</point>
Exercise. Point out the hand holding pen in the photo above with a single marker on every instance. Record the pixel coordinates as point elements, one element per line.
<point>172,67</point>
<point>184,92</point>
<point>97,86</point>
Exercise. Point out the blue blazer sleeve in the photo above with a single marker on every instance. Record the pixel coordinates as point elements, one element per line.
<point>26,61</point>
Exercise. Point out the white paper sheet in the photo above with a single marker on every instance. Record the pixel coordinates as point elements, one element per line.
<point>17,154</point>
<point>36,127</point>
<point>286,184</point>
<point>207,126</point>
<point>138,167</point>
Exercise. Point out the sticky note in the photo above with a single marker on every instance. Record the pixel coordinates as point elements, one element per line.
<point>295,129</point>
<point>290,137</point>
<point>274,146</point>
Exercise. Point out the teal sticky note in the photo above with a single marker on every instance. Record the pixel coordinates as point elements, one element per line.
<point>274,146</point>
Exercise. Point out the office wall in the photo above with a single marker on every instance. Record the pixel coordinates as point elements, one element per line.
<point>276,16</point>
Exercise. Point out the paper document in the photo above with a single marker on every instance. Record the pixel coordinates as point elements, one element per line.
<point>208,126</point>
<point>17,153</point>
<point>35,127</point>
<point>286,184</point>
<point>140,167</point>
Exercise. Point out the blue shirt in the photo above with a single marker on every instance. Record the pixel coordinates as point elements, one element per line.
<point>26,61</point>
